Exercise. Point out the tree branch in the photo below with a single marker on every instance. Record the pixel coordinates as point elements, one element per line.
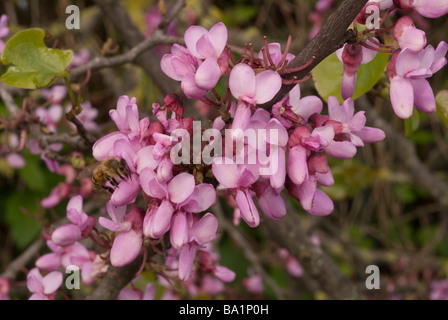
<point>130,56</point>
<point>290,235</point>
<point>132,36</point>
<point>114,280</point>
<point>405,151</point>
<point>21,261</point>
<point>330,38</point>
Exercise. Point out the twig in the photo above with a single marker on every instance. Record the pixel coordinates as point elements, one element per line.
<point>130,56</point>
<point>171,14</point>
<point>114,280</point>
<point>16,265</point>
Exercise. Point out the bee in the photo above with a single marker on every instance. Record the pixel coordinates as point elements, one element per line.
<point>108,170</point>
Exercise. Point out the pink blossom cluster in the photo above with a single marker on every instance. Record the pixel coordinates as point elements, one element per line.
<point>155,199</point>
<point>304,136</point>
<point>66,252</point>
<point>174,199</point>
<point>412,62</point>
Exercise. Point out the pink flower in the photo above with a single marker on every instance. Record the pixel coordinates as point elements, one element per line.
<point>4,289</point>
<point>427,8</point>
<point>253,283</point>
<point>15,160</point>
<point>408,36</point>
<point>52,261</point>
<point>128,243</point>
<point>352,56</point>
<point>275,51</point>
<point>201,232</point>
<point>250,90</point>
<point>439,290</point>
<point>253,89</point>
<point>43,288</point>
<point>238,179</point>
<point>201,65</point>
<point>312,199</point>
<point>126,118</point>
<point>79,58</point>
<point>50,117</point>
<point>352,125</point>
<point>292,265</point>
<point>407,73</point>
<point>81,226</point>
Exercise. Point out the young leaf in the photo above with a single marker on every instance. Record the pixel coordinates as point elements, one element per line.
<point>327,76</point>
<point>31,63</point>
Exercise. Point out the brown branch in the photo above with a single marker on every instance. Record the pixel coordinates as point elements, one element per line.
<point>75,141</point>
<point>21,261</point>
<point>129,56</point>
<point>330,38</point>
<point>288,233</point>
<point>114,280</point>
<point>407,154</point>
<point>131,35</point>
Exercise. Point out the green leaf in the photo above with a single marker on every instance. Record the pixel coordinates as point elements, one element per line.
<point>31,64</point>
<point>327,76</point>
<point>23,228</point>
<point>442,105</point>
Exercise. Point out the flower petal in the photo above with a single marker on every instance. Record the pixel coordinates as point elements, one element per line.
<point>151,186</point>
<point>423,96</point>
<point>181,187</point>
<point>158,221</point>
<point>268,83</point>
<point>208,74</point>
<point>297,165</point>
<point>206,196</point>
<point>66,235</point>
<point>322,204</point>
<point>402,97</point>
<point>191,37</point>
<point>186,258</point>
<point>341,149</point>
<point>204,48</point>
<point>247,208</point>
<point>52,282</point>
<point>126,192</point>
<point>225,171</point>
<point>179,230</point>
<point>126,248</point>
<point>190,88</point>
<point>103,148</point>
<point>218,37</point>
<point>242,81</point>
<point>34,281</point>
